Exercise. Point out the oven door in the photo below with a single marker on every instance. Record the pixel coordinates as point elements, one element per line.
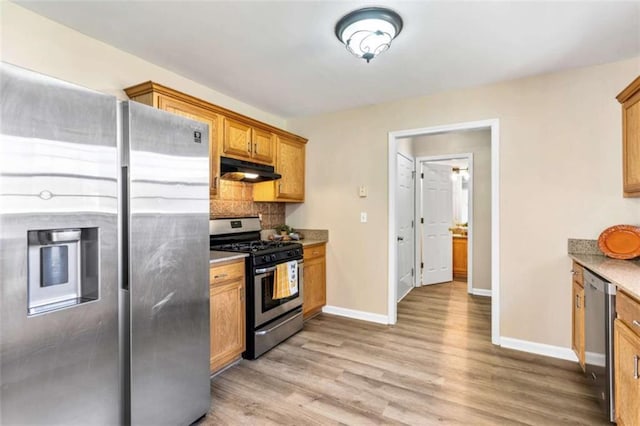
<point>265,306</point>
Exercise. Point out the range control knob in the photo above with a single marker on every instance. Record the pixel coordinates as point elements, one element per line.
<point>289,254</point>
<point>274,257</point>
<point>265,259</point>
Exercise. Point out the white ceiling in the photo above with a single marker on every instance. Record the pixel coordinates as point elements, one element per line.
<point>283,57</point>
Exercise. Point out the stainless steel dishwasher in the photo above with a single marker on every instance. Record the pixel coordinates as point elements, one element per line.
<point>600,312</point>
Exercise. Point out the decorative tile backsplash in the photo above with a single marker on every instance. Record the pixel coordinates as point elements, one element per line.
<point>236,200</point>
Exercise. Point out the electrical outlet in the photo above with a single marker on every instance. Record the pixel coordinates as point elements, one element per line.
<point>363,217</point>
<point>362,191</point>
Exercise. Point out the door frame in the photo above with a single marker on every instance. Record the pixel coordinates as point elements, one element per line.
<point>418,196</point>
<point>494,126</point>
<point>414,251</point>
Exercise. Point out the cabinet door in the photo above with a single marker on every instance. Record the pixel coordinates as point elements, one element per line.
<point>459,257</point>
<point>237,139</point>
<point>631,145</point>
<point>577,342</point>
<point>315,289</point>
<point>263,142</point>
<point>290,164</point>
<point>627,375</point>
<point>227,316</point>
<point>193,112</point>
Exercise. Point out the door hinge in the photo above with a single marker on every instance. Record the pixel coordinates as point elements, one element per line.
<point>411,271</point>
<point>421,265</point>
<point>421,175</point>
<point>413,174</point>
<point>412,224</point>
<point>422,220</point>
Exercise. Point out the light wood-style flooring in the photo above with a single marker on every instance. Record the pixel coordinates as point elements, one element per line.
<point>435,366</point>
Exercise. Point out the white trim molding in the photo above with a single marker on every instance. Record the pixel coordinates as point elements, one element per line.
<point>481,292</point>
<point>359,315</point>
<point>538,348</point>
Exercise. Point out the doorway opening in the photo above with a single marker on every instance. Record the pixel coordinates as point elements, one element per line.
<point>398,143</point>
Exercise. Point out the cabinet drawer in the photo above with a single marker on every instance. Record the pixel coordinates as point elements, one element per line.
<point>577,271</point>
<point>628,310</point>
<point>226,271</point>
<point>314,251</point>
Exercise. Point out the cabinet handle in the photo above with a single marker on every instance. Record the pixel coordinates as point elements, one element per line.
<point>316,252</point>
<point>215,277</point>
<point>635,367</point>
<point>573,272</point>
<point>248,146</point>
<point>215,182</point>
<point>636,323</point>
<point>577,301</point>
<point>255,147</point>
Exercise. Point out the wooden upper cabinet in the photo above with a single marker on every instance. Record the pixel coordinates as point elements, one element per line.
<point>630,100</point>
<point>237,136</point>
<point>263,145</point>
<point>237,139</point>
<point>290,163</point>
<point>247,143</point>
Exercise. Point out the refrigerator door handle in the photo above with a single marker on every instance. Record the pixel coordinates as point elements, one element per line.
<point>124,217</point>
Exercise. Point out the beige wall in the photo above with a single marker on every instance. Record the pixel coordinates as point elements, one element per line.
<point>560,177</point>
<point>479,143</point>
<point>37,43</point>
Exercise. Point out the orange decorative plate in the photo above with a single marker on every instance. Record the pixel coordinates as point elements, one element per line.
<point>620,241</point>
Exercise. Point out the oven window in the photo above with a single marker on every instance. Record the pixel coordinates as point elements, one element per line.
<point>268,302</point>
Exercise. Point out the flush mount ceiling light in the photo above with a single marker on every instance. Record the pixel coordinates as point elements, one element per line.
<point>368,32</point>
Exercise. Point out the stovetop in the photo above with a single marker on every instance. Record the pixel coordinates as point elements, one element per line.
<point>265,253</point>
<point>255,246</point>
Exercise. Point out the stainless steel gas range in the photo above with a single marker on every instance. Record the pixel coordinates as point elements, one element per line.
<point>270,320</point>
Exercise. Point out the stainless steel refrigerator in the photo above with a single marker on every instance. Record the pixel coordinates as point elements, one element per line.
<point>104,302</point>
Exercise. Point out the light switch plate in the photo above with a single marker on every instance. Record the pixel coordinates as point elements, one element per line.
<point>363,217</point>
<point>362,191</point>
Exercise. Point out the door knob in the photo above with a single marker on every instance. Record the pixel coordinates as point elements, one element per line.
<point>400,239</point>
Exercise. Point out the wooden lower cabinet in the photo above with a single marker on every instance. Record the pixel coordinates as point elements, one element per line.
<point>626,353</point>
<point>315,280</point>
<point>627,380</point>
<point>459,257</point>
<point>227,313</point>
<point>577,315</point>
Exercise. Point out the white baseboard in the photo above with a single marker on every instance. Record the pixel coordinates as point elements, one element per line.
<point>359,315</point>
<point>405,294</point>
<point>538,348</point>
<point>481,292</point>
<point>592,358</point>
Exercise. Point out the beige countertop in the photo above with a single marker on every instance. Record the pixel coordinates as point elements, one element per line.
<point>223,256</point>
<point>310,242</point>
<point>625,274</point>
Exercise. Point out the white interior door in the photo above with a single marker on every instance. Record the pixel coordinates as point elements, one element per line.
<point>404,225</point>
<point>437,212</point>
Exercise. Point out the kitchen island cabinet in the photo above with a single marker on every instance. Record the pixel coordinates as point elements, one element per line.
<point>315,279</point>
<point>227,312</point>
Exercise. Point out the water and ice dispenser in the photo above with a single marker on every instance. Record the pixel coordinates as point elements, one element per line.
<point>63,268</point>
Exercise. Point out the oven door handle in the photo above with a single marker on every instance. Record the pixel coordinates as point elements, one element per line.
<point>263,332</point>
<point>273,268</point>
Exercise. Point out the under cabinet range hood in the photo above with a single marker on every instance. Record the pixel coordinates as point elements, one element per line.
<point>246,171</point>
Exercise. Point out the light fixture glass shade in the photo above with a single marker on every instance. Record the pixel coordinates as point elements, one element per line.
<point>368,32</point>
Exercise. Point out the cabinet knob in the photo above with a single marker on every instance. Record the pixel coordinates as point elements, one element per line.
<point>635,367</point>
<point>215,277</point>
<point>636,323</point>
